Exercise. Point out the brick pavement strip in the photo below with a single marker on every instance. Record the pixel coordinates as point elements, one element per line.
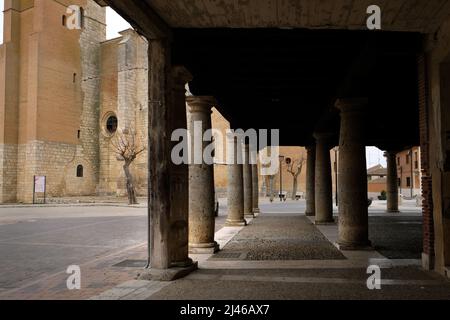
<point>95,278</point>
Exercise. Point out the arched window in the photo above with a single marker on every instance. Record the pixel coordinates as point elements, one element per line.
<point>64,20</point>
<point>111,124</point>
<point>80,171</point>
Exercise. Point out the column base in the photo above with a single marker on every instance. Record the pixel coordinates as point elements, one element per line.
<point>182,264</point>
<point>171,274</point>
<point>249,216</point>
<point>236,223</point>
<point>363,246</point>
<point>393,211</point>
<point>310,214</point>
<point>325,223</point>
<point>210,248</point>
<point>427,262</point>
<point>256,212</point>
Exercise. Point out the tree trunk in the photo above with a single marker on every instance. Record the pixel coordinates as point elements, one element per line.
<point>294,187</point>
<point>131,191</point>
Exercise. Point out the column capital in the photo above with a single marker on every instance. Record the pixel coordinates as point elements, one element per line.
<point>181,76</point>
<point>200,104</point>
<point>351,104</point>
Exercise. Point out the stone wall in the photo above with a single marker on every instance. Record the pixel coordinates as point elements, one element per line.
<point>58,162</point>
<point>124,90</point>
<point>133,101</point>
<point>94,32</point>
<point>8,173</point>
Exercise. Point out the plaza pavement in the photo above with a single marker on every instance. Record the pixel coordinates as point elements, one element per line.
<point>280,255</point>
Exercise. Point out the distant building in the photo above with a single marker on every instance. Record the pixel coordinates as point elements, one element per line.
<point>377,180</point>
<point>376,172</point>
<point>296,155</point>
<point>409,173</point>
<point>64,96</point>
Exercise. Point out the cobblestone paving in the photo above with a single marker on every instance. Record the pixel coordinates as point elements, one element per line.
<point>281,238</point>
<point>397,237</point>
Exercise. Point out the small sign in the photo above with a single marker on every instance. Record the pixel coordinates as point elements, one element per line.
<point>39,188</point>
<point>39,184</point>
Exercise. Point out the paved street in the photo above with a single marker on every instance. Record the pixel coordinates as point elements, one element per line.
<point>37,244</point>
<point>41,242</point>
<point>281,249</point>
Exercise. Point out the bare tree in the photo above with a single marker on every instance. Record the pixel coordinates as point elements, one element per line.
<point>128,149</point>
<point>295,168</point>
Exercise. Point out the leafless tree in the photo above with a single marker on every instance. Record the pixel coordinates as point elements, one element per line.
<point>295,167</point>
<point>127,148</point>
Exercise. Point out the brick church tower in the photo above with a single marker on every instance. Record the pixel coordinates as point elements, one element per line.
<point>49,98</point>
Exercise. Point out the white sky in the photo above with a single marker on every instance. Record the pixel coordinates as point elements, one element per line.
<point>374,157</point>
<point>114,24</point>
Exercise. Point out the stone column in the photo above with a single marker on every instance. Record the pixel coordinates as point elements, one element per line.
<point>179,175</point>
<point>255,177</point>
<point>310,182</point>
<point>248,183</point>
<point>353,206</point>
<point>235,182</point>
<point>323,181</point>
<point>201,179</point>
<point>392,182</point>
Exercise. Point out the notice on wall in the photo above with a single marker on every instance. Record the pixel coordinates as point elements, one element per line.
<point>39,184</point>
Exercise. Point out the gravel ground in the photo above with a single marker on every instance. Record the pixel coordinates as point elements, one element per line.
<point>397,237</point>
<point>281,238</point>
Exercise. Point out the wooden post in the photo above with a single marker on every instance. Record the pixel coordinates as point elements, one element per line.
<point>168,183</point>
<point>159,155</point>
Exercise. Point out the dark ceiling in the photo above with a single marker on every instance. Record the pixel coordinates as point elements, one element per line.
<point>289,79</point>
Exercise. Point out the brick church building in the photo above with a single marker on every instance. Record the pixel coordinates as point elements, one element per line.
<point>59,101</point>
